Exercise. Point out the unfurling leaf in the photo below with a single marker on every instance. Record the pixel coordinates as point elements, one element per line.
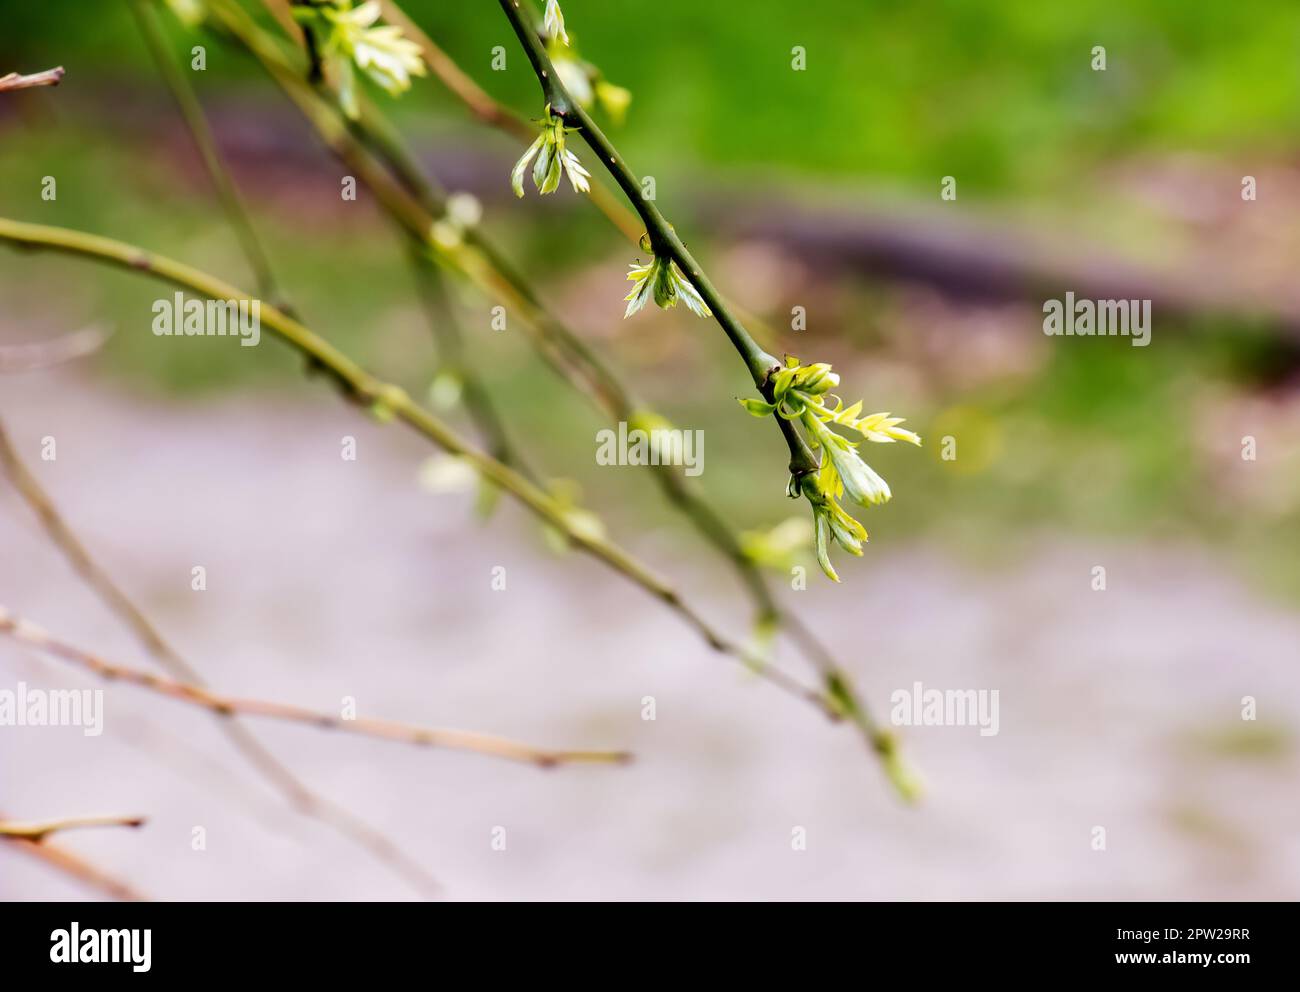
<point>799,394</point>
<point>347,37</point>
<point>553,161</point>
<point>553,22</point>
<point>661,279</point>
<point>757,408</point>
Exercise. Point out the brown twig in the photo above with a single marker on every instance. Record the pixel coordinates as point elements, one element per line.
<point>14,81</point>
<point>74,866</point>
<point>455,740</point>
<point>38,831</point>
<point>79,868</point>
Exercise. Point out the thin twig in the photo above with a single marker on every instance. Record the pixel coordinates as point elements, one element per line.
<point>14,81</point>
<point>487,745</point>
<point>74,866</point>
<point>462,85</point>
<point>38,831</point>
<point>282,11</point>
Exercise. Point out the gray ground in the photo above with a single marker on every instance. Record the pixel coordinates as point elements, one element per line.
<point>328,579</point>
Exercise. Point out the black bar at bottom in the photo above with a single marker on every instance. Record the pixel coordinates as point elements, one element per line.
<point>1220,942</point>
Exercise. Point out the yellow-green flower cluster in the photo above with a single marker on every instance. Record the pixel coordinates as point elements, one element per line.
<point>346,37</point>
<point>663,281</point>
<point>553,22</point>
<point>554,161</point>
<point>800,394</point>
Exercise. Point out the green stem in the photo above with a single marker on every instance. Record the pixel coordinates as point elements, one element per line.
<point>664,240</point>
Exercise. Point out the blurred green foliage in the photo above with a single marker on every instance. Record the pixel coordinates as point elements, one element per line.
<point>1000,93</point>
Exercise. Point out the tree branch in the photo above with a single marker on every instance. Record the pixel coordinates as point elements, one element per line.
<point>391,401</point>
<point>13,81</point>
<point>455,740</point>
<point>663,238</point>
<point>74,866</point>
<point>40,830</point>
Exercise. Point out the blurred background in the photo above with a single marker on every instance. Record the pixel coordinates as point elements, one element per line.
<point>817,189</point>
